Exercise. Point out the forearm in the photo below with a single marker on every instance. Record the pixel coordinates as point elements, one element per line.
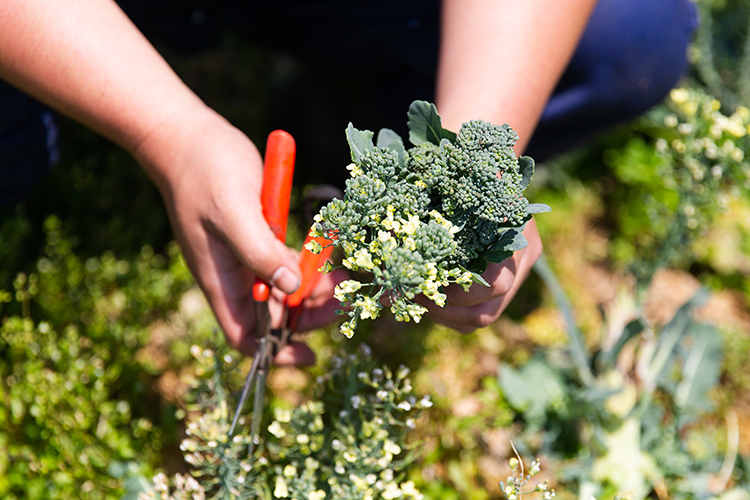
<point>501,59</point>
<point>86,59</point>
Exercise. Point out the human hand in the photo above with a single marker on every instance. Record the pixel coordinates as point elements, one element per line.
<point>481,305</point>
<point>210,175</point>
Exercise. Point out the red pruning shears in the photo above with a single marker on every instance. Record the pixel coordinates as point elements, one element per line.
<point>277,187</point>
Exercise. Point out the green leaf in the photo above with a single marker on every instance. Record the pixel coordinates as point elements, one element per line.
<point>388,139</point>
<point>701,370</point>
<point>577,347</point>
<point>359,142</point>
<point>632,329</point>
<point>526,167</point>
<point>510,241</point>
<point>532,389</point>
<point>478,265</point>
<point>425,124</point>
<point>477,278</point>
<point>538,208</point>
<point>671,335</point>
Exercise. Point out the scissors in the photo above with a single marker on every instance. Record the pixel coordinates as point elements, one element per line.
<point>278,171</point>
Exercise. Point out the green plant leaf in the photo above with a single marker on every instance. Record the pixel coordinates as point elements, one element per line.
<point>670,337</point>
<point>477,266</point>
<point>388,139</point>
<point>526,167</point>
<point>359,142</point>
<point>701,370</point>
<point>538,208</point>
<point>532,389</point>
<point>511,241</point>
<point>425,124</point>
<point>477,278</point>
<point>608,359</point>
<point>578,353</point>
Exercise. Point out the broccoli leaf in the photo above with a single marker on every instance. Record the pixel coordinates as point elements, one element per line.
<point>425,124</point>
<point>509,242</point>
<point>526,167</point>
<point>477,267</point>
<point>538,208</point>
<point>388,139</point>
<point>359,142</point>
<point>477,278</point>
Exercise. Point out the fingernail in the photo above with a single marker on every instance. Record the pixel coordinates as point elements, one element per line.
<point>285,280</point>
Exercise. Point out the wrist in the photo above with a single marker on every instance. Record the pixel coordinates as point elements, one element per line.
<point>160,147</point>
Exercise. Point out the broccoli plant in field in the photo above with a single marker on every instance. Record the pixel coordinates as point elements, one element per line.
<point>418,219</point>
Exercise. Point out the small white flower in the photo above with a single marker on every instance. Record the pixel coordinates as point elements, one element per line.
<point>280,490</point>
<point>276,429</point>
<point>391,447</point>
<point>347,329</point>
<point>409,489</point>
<point>355,169</point>
<point>346,288</point>
<point>363,259</point>
<point>283,415</point>
<point>391,491</point>
<point>369,307</point>
<point>316,495</point>
<point>403,405</point>
<point>381,394</point>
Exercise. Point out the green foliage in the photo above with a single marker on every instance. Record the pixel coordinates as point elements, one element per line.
<point>641,386</point>
<point>687,174</point>
<point>75,404</point>
<point>420,219</point>
<point>349,441</point>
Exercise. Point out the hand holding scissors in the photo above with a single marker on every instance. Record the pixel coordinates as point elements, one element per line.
<point>277,185</point>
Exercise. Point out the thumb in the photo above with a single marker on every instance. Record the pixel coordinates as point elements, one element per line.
<point>258,249</point>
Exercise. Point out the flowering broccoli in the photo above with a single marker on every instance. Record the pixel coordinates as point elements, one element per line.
<point>421,218</point>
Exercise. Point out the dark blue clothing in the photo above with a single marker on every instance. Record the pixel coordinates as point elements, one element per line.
<point>631,54</point>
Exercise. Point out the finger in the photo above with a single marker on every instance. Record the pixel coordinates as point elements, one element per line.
<point>295,354</point>
<point>469,317</point>
<point>292,354</point>
<point>500,278</point>
<point>320,308</point>
<point>258,249</point>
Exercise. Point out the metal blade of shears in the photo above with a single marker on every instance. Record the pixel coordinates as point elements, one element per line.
<point>260,392</point>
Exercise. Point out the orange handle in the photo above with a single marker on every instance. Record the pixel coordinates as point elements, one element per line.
<point>309,263</point>
<point>278,172</point>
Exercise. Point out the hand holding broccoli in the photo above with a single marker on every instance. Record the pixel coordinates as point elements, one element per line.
<point>421,219</point>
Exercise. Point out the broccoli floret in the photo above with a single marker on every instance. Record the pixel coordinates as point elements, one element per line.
<point>418,219</point>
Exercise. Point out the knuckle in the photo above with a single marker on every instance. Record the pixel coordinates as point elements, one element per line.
<point>483,320</point>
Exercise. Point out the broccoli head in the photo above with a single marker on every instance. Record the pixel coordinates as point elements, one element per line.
<point>421,218</point>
